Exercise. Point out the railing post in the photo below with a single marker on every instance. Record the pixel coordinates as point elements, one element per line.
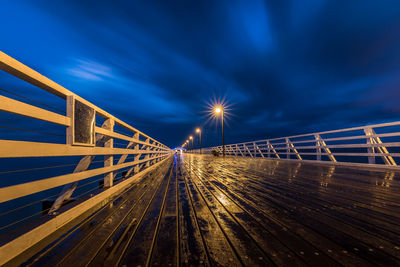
<point>109,159</point>
<point>323,145</point>
<point>147,164</point>
<point>259,150</point>
<point>234,150</point>
<point>318,145</point>
<point>388,159</point>
<point>248,150</point>
<point>70,112</point>
<point>238,149</point>
<point>371,150</point>
<point>294,149</point>
<point>136,169</point>
<point>254,149</point>
<point>269,149</point>
<point>83,165</point>
<point>124,157</point>
<point>287,149</point>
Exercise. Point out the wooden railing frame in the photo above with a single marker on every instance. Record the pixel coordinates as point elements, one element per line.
<point>29,239</point>
<point>319,145</point>
<point>154,151</point>
<point>105,134</point>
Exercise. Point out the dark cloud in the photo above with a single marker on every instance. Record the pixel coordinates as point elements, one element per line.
<point>285,66</point>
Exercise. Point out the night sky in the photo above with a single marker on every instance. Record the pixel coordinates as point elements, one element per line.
<point>285,67</point>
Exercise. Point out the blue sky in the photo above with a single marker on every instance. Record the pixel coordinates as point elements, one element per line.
<point>286,67</point>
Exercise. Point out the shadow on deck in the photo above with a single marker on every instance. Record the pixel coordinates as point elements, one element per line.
<point>202,210</point>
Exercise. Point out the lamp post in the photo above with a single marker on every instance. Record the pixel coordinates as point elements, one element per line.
<point>219,110</point>
<point>191,138</point>
<point>198,130</point>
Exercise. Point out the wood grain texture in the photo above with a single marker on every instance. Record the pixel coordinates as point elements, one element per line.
<point>205,210</point>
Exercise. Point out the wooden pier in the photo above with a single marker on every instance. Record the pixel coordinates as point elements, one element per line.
<point>200,210</point>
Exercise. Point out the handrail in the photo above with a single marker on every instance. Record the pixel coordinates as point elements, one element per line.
<point>350,146</point>
<point>140,154</point>
<point>17,69</point>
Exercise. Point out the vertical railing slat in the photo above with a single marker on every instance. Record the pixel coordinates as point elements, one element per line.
<point>109,159</point>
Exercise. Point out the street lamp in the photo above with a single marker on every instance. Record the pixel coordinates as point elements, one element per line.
<point>198,130</point>
<point>191,138</point>
<point>220,110</point>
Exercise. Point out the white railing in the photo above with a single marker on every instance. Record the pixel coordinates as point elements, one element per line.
<point>125,154</point>
<point>373,145</point>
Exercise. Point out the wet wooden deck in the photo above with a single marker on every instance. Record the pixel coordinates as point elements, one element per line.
<point>206,211</point>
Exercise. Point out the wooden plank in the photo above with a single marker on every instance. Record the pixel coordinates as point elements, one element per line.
<point>29,239</point>
<point>27,110</point>
<point>84,241</point>
<point>331,226</point>
<point>166,247</point>
<point>129,146</point>
<point>82,165</point>
<point>259,150</point>
<point>341,130</point>
<point>333,214</point>
<point>17,149</point>
<point>220,250</point>
<point>345,164</point>
<point>345,189</point>
<point>193,251</point>
<point>240,151</point>
<point>251,155</point>
<point>287,212</point>
<point>295,235</point>
<point>138,245</point>
<point>369,219</point>
<point>286,232</point>
<point>20,190</point>
<point>392,144</point>
<point>114,230</point>
<point>249,252</point>
<point>328,139</point>
<point>109,159</point>
<point>16,68</point>
<point>265,239</point>
<point>347,154</point>
<point>109,133</point>
<point>304,182</point>
<point>273,150</point>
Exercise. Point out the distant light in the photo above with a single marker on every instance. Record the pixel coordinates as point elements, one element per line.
<point>197,130</point>
<point>190,137</point>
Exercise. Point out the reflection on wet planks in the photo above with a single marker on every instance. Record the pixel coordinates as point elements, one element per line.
<point>291,195</point>
<point>200,210</point>
<point>98,232</point>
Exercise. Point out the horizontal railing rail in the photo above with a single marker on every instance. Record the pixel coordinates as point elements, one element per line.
<point>375,145</point>
<point>89,133</point>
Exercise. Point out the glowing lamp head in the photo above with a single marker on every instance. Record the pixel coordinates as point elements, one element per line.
<point>198,130</point>
<point>190,137</point>
<point>218,110</point>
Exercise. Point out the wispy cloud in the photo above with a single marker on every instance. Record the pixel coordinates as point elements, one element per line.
<point>90,70</point>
